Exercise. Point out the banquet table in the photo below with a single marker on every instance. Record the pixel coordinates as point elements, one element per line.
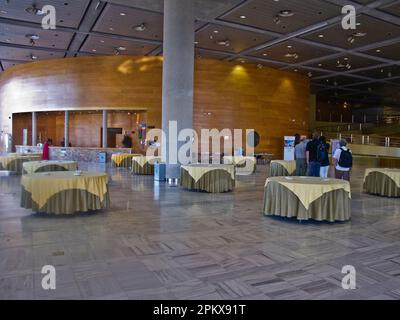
<point>123,160</point>
<point>213,178</point>
<point>14,161</point>
<point>243,164</point>
<point>307,198</point>
<point>280,168</point>
<point>64,192</point>
<point>382,181</point>
<point>144,165</point>
<point>48,165</point>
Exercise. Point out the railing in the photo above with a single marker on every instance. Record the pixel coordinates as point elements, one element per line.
<point>363,139</point>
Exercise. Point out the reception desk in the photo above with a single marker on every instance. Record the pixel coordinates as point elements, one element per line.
<point>74,153</point>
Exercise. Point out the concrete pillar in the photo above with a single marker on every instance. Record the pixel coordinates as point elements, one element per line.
<point>34,129</point>
<point>66,129</point>
<point>104,138</point>
<point>178,72</point>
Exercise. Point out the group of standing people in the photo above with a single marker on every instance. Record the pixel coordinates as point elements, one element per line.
<point>312,158</point>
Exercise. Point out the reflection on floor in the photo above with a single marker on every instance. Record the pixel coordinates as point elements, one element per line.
<point>161,242</point>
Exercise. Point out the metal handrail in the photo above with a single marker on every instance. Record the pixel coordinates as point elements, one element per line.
<point>364,139</point>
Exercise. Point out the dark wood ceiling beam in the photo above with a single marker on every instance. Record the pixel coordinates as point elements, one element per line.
<point>89,19</point>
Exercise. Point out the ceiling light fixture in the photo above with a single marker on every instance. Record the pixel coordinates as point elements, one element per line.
<point>243,17</point>
<point>122,14</point>
<point>141,27</point>
<point>34,10</point>
<point>32,38</point>
<point>285,13</point>
<point>320,36</point>
<point>277,20</point>
<point>224,43</point>
<point>292,55</point>
<point>33,57</point>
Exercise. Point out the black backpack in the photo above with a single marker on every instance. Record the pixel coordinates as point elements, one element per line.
<point>346,158</point>
<point>322,152</point>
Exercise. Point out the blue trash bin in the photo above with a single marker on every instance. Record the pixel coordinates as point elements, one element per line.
<point>102,157</point>
<point>159,171</point>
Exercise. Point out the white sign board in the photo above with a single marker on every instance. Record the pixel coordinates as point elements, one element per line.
<point>288,149</point>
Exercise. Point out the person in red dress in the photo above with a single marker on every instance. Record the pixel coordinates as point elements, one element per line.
<point>46,152</point>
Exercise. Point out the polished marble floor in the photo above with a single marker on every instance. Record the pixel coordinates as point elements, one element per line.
<point>161,242</point>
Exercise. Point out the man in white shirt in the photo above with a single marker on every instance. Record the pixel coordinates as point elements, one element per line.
<point>343,164</point>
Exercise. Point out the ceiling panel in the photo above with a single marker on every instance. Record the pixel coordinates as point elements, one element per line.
<point>9,53</point>
<point>69,13</point>
<point>8,64</point>
<point>230,39</point>
<point>210,54</point>
<point>381,73</point>
<point>110,46</point>
<point>389,52</point>
<point>47,38</point>
<point>303,52</point>
<point>375,30</point>
<point>341,64</point>
<point>378,89</point>
<point>307,72</point>
<point>393,9</point>
<point>121,20</point>
<point>261,14</point>
<point>338,81</point>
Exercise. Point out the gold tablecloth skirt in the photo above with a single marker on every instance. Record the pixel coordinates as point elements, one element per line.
<point>278,170</point>
<point>215,181</point>
<point>123,160</point>
<point>66,202</point>
<point>380,184</point>
<point>331,206</point>
<point>147,169</point>
<point>16,163</point>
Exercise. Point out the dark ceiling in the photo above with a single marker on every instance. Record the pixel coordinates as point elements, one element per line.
<point>311,41</point>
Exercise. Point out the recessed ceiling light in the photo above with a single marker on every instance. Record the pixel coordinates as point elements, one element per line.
<point>320,36</point>
<point>141,27</point>
<point>265,54</point>
<point>290,47</point>
<point>295,70</point>
<point>243,17</point>
<point>285,13</point>
<point>122,14</point>
<point>111,29</point>
<point>196,42</point>
<point>94,50</point>
<point>319,64</point>
<point>102,41</point>
<point>216,31</point>
<point>345,58</point>
<point>378,50</point>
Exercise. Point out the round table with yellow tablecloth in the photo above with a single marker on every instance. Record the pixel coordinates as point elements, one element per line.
<point>64,192</point>
<point>14,161</point>
<point>243,164</point>
<point>382,181</point>
<point>307,198</point>
<point>48,166</point>
<point>208,177</point>
<point>144,165</point>
<point>280,168</point>
<point>123,160</point>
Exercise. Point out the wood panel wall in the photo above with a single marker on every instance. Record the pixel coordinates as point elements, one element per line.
<point>226,95</point>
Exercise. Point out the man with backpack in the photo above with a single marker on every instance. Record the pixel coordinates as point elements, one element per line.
<point>343,161</point>
<point>312,156</point>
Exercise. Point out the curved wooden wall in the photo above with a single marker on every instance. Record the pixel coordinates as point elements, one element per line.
<point>227,94</point>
